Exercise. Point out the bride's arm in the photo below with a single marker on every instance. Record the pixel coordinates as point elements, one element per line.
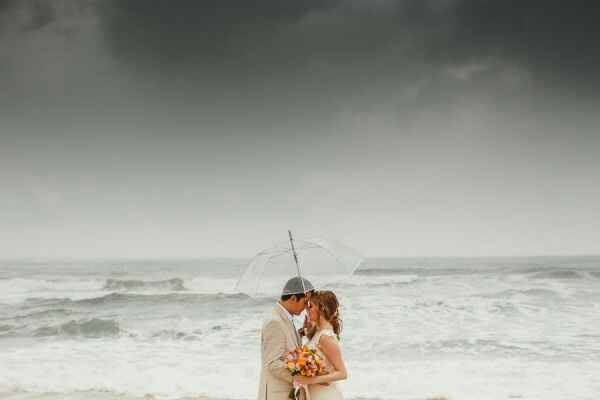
<point>330,347</point>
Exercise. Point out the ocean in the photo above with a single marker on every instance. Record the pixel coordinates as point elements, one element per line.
<point>414,329</point>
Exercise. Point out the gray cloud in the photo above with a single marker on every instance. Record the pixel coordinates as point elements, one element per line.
<point>404,127</point>
<point>555,42</point>
<point>317,56</point>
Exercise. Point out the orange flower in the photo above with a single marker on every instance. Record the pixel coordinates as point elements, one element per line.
<point>304,361</point>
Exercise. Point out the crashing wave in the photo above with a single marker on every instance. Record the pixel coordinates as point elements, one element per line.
<point>534,292</point>
<point>89,328</point>
<point>420,271</point>
<point>382,271</point>
<point>174,284</point>
<point>52,313</point>
<point>559,275</point>
<point>5,329</point>
<point>130,298</point>
<point>375,281</point>
<point>170,334</point>
<point>595,274</point>
<point>477,346</point>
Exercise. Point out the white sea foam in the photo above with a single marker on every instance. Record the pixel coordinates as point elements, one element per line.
<point>171,370</point>
<point>365,280</point>
<point>207,284</point>
<point>407,334</point>
<point>17,290</point>
<point>26,285</point>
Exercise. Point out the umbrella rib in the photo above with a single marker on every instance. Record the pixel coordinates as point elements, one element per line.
<point>279,254</point>
<point>338,260</point>
<point>262,270</point>
<point>278,251</point>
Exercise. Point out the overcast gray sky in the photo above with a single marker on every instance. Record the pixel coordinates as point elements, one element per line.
<point>135,128</point>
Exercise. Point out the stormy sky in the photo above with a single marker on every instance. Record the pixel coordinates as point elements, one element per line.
<point>135,128</point>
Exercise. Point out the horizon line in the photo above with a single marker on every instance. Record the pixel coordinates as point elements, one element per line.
<point>216,257</point>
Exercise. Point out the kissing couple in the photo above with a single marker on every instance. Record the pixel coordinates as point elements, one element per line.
<point>321,333</point>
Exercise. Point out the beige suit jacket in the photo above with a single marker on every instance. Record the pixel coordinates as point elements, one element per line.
<point>278,336</point>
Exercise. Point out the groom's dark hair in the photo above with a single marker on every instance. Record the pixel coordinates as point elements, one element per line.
<point>296,286</point>
<point>286,297</point>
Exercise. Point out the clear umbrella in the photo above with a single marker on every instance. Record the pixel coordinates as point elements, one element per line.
<point>321,261</point>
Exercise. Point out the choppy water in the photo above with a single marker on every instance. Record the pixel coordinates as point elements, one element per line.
<point>414,329</point>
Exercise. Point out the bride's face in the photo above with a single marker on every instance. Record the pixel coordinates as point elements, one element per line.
<point>313,312</point>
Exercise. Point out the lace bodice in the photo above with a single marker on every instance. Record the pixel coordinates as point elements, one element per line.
<point>314,343</point>
<point>332,390</point>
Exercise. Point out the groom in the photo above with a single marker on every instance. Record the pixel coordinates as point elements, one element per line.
<point>278,336</point>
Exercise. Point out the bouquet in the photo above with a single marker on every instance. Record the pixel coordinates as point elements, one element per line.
<point>303,361</point>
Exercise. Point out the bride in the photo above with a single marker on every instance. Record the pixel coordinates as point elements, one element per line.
<point>323,312</point>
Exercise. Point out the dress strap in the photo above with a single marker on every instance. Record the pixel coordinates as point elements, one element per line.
<point>325,332</point>
<point>328,332</point>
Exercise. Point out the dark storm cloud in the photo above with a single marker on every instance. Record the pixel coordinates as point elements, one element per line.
<point>558,40</point>
<point>553,41</point>
<point>193,30</point>
<point>262,37</point>
<point>315,55</point>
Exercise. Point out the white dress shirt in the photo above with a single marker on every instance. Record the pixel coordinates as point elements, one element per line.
<point>290,318</point>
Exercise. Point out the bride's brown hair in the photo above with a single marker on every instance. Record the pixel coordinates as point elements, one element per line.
<point>329,307</point>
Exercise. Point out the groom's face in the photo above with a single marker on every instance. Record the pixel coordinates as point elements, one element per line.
<point>298,306</point>
<point>306,303</point>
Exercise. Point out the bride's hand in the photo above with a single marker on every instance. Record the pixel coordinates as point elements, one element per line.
<point>308,324</point>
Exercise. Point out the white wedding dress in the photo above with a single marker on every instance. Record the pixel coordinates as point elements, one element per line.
<point>324,392</point>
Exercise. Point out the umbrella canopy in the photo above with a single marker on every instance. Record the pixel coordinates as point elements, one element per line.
<point>321,261</point>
